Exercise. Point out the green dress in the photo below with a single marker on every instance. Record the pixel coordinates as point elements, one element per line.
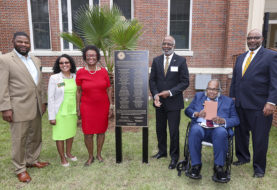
<point>66,119</point>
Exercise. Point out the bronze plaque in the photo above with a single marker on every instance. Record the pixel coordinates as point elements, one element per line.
<point>131,88</point>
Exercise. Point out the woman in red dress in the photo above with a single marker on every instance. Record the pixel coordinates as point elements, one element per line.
<point>94,96</point>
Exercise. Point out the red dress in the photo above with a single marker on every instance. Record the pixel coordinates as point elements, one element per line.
<point>95,103</point>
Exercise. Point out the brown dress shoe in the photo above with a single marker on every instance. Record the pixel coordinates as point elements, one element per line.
<point>39,165</point>
<point>24,177</point>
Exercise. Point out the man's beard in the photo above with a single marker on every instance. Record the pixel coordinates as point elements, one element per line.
<point>169,52</point>
<point>20,52</point>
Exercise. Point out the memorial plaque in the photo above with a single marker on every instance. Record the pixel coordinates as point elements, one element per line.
<point>131,88</point>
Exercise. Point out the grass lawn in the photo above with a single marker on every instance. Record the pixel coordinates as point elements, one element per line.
<point>131,173</point>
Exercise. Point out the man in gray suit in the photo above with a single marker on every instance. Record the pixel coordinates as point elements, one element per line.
<point>22,102</point>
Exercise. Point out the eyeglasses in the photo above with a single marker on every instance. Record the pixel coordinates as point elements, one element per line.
<point>89,56</point>
<point>254,38</point>
<point>168,44</point>
<point>212,89</point>
<point>66,62</point>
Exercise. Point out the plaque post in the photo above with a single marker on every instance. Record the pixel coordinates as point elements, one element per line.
<point>131,96</point>
<point>118,144</point>
<point>145,144</point>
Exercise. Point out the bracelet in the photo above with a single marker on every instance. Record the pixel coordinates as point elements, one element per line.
<point>111,106</point>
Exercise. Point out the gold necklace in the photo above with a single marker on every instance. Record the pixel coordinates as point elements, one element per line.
<point>92,73</point>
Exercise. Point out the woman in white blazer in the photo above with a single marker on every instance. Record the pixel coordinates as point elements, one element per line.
<point>62,106</point>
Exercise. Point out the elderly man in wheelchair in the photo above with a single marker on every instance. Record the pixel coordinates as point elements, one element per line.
<point>217,130</point>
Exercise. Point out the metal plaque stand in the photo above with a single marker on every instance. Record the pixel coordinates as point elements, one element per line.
<point>118,144</point>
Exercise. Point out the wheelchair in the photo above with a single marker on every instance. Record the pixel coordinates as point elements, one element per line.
<point>185,165</point>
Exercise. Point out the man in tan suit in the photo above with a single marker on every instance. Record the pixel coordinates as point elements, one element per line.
<point>22,102</point>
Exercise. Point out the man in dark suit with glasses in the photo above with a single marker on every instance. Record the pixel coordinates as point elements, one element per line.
<point>254,88</point>
<point>168,79</point>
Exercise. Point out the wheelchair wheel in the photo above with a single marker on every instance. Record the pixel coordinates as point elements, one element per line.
<point>229,157</point>
<point>185,165</point>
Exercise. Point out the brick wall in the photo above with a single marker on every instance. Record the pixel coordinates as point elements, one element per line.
<point>54,28</point>
<point>13,18</point>
<point>104,2</point>
<point>154,17</point>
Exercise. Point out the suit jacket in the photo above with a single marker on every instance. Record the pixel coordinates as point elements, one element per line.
<point>175,81</point>
<point>259,83</point>
<point>225,109</point>
<point>55,95</point>
<point>18,90</point>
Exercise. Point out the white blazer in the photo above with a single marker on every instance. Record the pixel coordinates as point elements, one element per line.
<point>55,94</point>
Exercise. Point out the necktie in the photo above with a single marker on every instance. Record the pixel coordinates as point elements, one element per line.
<point>209,123</point>
<point>248,61</point>
<point>166,65</point>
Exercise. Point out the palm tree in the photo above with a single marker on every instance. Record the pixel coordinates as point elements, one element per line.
<point>107,29</point>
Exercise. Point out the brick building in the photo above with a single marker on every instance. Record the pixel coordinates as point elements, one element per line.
<point>209,33</point>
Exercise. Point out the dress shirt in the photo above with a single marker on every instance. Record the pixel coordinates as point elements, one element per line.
<point>247,55</point>
<point>169,60</point>
<point>29,65</point>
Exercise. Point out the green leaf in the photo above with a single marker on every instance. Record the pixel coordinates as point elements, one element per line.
<point>106,29</point>
<point>73,38</point>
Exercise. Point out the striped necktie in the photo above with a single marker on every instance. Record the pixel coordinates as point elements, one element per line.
<point>166,65</point>
<point>248,61</point>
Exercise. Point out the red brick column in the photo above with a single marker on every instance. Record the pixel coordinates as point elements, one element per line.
<point>104,2</point>
<point>153,15</point>
<point>54,25</point>
<point>236,29</point>
<point>236,32</point>
<point>13,18</point>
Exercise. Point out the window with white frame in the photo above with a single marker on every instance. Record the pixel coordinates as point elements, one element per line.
<point>68,11</point>
<point>125,6</point>
<point>180,22</point>
<point>40,24</point>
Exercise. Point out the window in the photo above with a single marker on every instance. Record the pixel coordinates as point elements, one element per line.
<point>180,22</point>
<point>125,6</point>
<point>68,11</point>
<point>40,24</point>
<point>271,41</point>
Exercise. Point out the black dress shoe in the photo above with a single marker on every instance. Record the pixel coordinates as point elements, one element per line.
<point>258,175</point>
<point>220,175</point>
<point>194,172</point>
<point>238,163</point>
<point>172,164</point>
<point>158,155</point>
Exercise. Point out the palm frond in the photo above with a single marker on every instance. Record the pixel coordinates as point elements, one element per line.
<point>95,24</point>
<point>126,34</point>
<point>74,39</point>
<point>104,28</point>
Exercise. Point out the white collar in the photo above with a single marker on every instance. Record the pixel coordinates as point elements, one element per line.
<point>216,99</point>
<point>169,56</point>
<point>21,56</point>
<point>256,50</point>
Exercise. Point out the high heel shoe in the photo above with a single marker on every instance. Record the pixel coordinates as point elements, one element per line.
<point>88,162</point>
<point>66,164</point>
<point>100,159</point>
<point>74,158</point>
